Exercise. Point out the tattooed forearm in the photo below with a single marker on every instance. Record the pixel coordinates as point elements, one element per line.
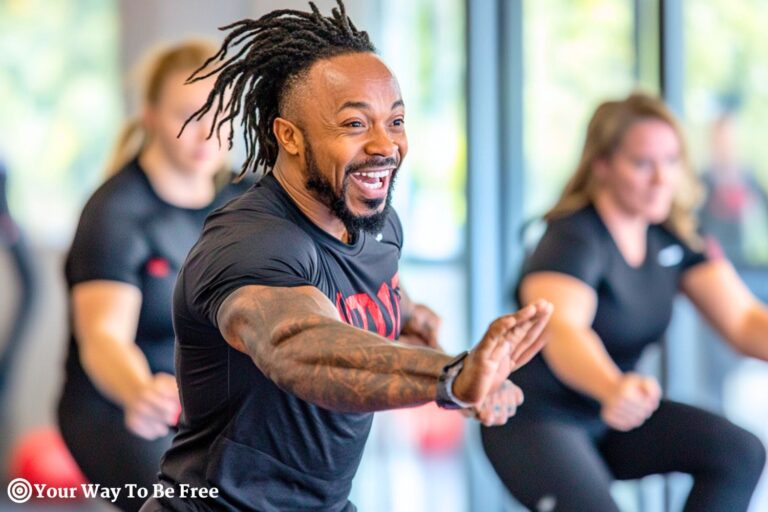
<point>294,337</point>
<point>358,371</point>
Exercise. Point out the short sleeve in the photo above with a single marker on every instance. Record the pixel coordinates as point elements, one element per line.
<point>269,253</point>
<point>569,249</point>
<point>108,244</point>
<point>692,257</point>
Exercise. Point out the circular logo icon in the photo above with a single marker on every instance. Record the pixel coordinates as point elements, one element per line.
<point>19,490</point>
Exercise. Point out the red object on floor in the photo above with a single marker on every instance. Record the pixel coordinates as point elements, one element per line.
<point>41,457</point>
<point>436,431</point>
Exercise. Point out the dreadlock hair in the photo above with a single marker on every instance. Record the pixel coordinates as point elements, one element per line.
<point>277,50</point>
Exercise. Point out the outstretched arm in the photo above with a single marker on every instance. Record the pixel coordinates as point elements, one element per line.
<point>295,338</point>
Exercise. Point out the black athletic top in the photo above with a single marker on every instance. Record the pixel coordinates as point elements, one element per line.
<point>127,233</point>
<point>634,304</point>
<point>263,448</point>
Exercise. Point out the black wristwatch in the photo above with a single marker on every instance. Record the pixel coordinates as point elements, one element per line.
<point>445,397</point>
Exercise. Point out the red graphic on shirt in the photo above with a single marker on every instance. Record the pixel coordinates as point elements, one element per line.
<point>158,267</point>
<point>365,312</point>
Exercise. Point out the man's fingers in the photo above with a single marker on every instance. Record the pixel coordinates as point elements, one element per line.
<point>499,406</point>
<point>526,313</point>
<point>525,350</point>
<point>494,338</point>
<point>502,325</point>
<point>517,394</point>
<point>513,337</point>
<point>528,353</point>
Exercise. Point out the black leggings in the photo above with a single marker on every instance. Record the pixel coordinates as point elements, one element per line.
<point>549,465</point>
<point>107,453</point>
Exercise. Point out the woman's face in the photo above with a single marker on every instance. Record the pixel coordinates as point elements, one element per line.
<point>193,152</point>
<point>642,176</point>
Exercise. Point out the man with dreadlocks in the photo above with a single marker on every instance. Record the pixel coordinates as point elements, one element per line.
<point>288,307</point>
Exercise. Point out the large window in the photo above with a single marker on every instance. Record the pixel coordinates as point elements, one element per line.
<point>423,42</point>
<point>726,104</point>
<point>413,461</point>
<point>59,98</point>
<point>577,53</point>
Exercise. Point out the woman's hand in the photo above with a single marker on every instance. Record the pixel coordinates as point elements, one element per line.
<point>154,407</point>
<point>631,402</point>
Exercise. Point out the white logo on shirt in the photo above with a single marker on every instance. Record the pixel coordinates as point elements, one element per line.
<point>670,256</point>
<point>379,237</point>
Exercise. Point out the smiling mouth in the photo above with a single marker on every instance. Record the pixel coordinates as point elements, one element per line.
<point>372,180</point>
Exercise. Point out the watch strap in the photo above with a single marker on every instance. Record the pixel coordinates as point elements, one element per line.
<point>445,397</point>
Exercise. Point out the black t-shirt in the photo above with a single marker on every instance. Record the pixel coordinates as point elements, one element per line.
<point>263,448</point>
<point>634,304</point>
<point>127,233</point>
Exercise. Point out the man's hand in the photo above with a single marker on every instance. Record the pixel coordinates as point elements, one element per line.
<point>510,342</point>
<point>632,401</point>
<point>499,406</point>
<point>421,327</point>
<point>154,408</point>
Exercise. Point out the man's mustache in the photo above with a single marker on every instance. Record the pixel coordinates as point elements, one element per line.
<point>375,162</point>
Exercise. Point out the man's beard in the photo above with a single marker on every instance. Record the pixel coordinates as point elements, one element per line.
<point>337,203</point>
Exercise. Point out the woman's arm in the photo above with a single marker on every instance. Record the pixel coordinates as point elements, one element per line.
<point>574,352</point>
<point>105,318</point>
<point>578,357</point>
<point>725,301</point>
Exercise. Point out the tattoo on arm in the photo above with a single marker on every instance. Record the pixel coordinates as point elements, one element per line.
<point>295,337</point>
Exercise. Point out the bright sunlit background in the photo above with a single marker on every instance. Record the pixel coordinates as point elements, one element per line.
<point>65,90</point>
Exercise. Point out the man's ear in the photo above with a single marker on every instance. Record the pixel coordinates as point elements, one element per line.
<point>288,135</point>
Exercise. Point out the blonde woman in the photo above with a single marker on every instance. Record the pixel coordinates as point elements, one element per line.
<point>620,244</point>
<point>120,397</point>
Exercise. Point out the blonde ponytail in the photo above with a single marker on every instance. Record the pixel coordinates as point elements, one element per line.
<point>129,143</point>
<point>153,71</point>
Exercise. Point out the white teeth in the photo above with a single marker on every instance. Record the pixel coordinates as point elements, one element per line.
<point>373,186</point>
<point>376,174</point>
